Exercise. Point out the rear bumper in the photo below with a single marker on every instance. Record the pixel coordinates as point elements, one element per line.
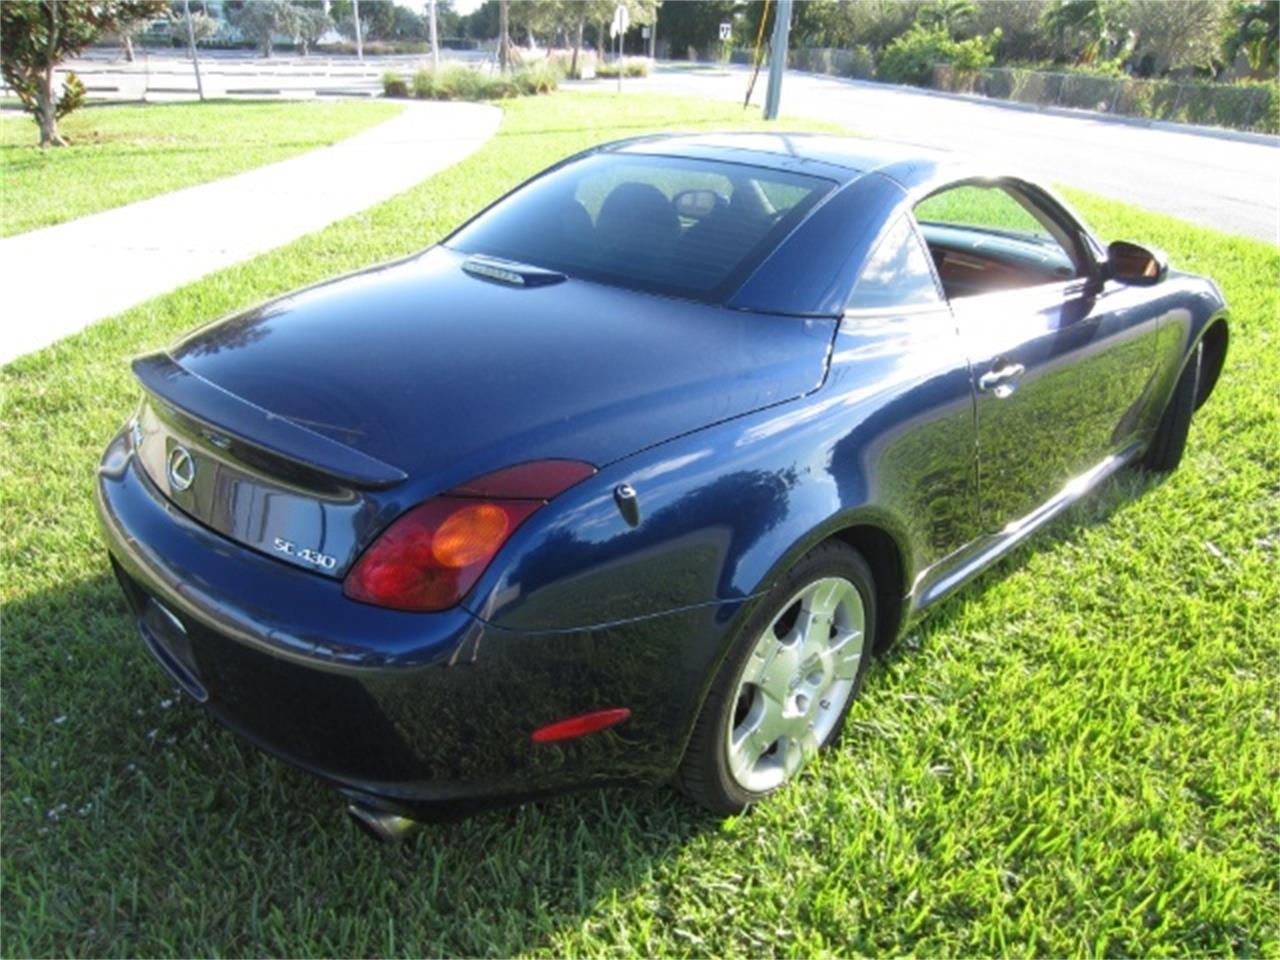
<point>416,712</point>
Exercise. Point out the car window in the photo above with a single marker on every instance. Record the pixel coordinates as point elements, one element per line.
<point>985,238</point>
<point>674,225</point>
<point>897,274</point>
<point>983,208</point>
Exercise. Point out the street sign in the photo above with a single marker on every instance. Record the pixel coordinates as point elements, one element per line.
<point>726,31</point>
<point>644,33</point>
<point>621,20</point>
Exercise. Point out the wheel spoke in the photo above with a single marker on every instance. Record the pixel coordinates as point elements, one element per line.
<point>846,654</point>
<point>824,599</point>
<point>743,757</point>
<point>756,665</point>
<point>776,675</point>
<point>799,751</point>
<point>772,722</point>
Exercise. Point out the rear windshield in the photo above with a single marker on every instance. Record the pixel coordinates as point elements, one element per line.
<point>671,225</point>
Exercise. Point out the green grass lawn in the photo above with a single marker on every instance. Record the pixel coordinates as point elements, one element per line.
<point>121,154</point>
<point>1076,755</point>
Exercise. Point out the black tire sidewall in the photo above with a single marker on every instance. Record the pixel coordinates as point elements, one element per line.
<point>705,771</point>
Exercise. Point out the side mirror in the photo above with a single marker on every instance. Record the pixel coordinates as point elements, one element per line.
<point>1136,264</point>
<point>696,204</point>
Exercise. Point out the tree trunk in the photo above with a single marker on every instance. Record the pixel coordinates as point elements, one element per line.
<point>48,118</point>
<point>577,42</point>
<point>128,47</point>
<point>266,46</point>
<point>504,41</point>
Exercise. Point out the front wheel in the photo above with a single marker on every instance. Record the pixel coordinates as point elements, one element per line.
<point>783,691</point>
<point>1170,440</point>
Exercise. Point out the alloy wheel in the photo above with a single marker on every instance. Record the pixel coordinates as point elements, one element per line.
<point>796,684</point>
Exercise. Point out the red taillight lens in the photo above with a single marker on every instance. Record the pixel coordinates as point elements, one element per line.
<point>535,480</point>
<point>430,557</point>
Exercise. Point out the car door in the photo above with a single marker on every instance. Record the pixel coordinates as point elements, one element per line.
<point>1061,362</point>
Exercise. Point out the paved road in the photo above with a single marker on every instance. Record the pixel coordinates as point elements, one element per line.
<point>1233,186</point>
<point>130,254</point>
<point>1229,185</point>
<point>168,74</point>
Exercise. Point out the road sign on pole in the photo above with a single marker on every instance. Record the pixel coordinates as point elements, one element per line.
<point>726,31</point>
<point>621,21</point>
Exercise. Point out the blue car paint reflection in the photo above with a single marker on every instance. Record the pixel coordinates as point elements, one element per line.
<point>835,392</point>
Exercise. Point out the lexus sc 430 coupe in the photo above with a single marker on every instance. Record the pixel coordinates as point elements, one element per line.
<point>629,478</point>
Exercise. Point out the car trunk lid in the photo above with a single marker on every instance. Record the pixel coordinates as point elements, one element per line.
<point>312,421</point>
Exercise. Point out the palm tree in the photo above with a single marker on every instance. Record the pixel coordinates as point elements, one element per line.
<point>947,15</point>
<point>1255,29</point>
<point>1081,25</point>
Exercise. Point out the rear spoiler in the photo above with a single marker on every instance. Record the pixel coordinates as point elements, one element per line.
<point>224,412</point>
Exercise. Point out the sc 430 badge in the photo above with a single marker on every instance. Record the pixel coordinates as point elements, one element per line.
<point>313,557</point>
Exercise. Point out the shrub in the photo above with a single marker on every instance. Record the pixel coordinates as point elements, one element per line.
<point>912,56</point>
<point>457,82</point>
<point>377,48</point>
<point>627,67</point>
<point>393,85</point>
<point>539,78</point>
<point>562,62</point>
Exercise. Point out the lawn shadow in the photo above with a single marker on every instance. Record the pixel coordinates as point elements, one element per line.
<point>173,800</point>
<point>128,792</point>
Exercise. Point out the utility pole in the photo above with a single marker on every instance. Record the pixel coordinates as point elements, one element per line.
<point>355,15</point>
<point>191,42</point>
<point>504,51</point>
<point>778,59</point>
<point>435,37</point>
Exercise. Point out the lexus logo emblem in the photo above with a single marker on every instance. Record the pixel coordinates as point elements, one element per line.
<point>182,469</point>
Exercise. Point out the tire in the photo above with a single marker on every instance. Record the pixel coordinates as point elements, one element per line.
<point>786,685</point>
<point>1170,440</point>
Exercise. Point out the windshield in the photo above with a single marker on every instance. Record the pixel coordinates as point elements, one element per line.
<point>671,225</point>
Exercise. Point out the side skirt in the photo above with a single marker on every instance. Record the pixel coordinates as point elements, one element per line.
<point>949,573</point>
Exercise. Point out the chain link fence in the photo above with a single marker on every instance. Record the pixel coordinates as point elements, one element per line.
<point>1236,106</point>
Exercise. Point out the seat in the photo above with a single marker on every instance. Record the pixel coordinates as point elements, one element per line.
<point>637,228</point>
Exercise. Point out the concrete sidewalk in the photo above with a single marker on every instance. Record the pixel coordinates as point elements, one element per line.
<point>130,254</point>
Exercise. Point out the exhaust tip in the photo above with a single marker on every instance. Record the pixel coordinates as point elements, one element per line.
<point>383,827</point>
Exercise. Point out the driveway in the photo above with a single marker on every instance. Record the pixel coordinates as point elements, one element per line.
<point>1229,185</point>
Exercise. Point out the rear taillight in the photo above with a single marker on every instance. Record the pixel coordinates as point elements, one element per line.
<point>431,556</point>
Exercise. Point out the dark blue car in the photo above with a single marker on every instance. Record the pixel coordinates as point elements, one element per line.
<point>628,479</point>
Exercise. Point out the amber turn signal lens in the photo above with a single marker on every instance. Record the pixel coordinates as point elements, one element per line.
<point>470,535</point>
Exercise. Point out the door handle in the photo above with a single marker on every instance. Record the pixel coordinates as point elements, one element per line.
<point>1002,379</point>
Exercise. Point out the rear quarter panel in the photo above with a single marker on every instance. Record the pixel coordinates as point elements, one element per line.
<point>887,441</point>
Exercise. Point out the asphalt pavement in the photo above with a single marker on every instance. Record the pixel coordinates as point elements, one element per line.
<point>1230,185</point>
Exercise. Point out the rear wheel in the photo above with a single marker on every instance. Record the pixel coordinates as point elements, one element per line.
<point>785,688</point>
<point>1170,440</point>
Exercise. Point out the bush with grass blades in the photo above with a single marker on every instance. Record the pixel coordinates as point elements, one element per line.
<point>629,67</point>
<point>393,85</point>
<point>458,82</point>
